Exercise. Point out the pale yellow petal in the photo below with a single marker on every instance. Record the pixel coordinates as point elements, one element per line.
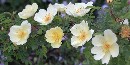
<point>76,29</point>
<point>97,50</point>
<point>21,42</point>
<point>89,35</point>
<point>110,36</point>
<point>75,42</point>
<point>56,45</point>
<point>13,33</point>
<point>114,50</point>
<point>98,40</point>
<point>106,58</point>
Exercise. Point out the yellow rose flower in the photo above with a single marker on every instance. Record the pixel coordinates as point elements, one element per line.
<point>54,36</point>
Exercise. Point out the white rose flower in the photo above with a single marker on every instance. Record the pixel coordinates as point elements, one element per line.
<point>19,34</point>
<point>81,34</point>
<point>28,11</point>
<point>105,46</point>
<point>45,17</point>
<point>78,9</point>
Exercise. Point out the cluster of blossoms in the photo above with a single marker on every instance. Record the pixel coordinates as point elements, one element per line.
<point>104,45</point>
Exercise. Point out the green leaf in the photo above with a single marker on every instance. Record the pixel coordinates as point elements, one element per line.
<point>127,15</point>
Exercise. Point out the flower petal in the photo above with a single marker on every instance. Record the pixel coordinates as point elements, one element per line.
<point>110,36</point>
<point>90,32</point>
<point>89,4</point>
<point>114,50</point>
<point>98,56</point>
<point>13,34</point>
<point>68,8</point>
<point>52,10</point>
<point>56,45</point>
<point>26,26</point>
<point>76,29</point>
<point>98,40</point>
<point>84,25</point>
<point>97,50</point>
<point>75,42</point>
<point>21,42</point>
<point>106,58</point>
<point>39,16</point>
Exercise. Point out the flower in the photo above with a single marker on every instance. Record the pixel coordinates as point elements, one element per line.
<point>45,17</point>
<point>125,31</point>
<point>126,22</point>
<point>81,34</point>
<point>60,7</point>
<point>109,1</point>
<point>28,11</point>
<point>54,36</point>
<point>105,46</point>
<point>78,9</point>
<point>20,34</point>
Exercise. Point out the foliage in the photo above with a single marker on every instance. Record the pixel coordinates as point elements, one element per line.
<point>39,52</point>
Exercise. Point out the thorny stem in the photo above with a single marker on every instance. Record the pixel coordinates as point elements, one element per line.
<point>117,19</point>
<point>111,13</point>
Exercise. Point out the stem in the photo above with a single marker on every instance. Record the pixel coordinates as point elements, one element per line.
<point>112,14</point>
<point>117,19</point>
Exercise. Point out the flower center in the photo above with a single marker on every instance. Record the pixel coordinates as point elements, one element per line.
<point>57,37</point>
<point>78,10</point>
<point>82,36</point>
<point>106,47</point>
<point>21,34</point>
<point>47,17</point>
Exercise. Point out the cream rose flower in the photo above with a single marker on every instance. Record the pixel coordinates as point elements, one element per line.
<point>45,17</point>
<point>54,36</point>
<point>28,11</point>
<point>19,34</point>
<point>81,34</point>
<point>105,46</point>
<point>78,9</point>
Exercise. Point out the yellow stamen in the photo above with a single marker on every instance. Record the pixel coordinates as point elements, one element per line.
<point>21,34</point>
<point>47,17</point>
<point>106,47</point>
<point>78,10</point>
<point>56,37</point>
<point>82,36</point>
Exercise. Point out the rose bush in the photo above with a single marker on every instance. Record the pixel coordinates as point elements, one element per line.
<point>39,36</point>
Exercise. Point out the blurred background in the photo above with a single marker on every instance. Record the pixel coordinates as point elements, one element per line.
<point>18,5</point>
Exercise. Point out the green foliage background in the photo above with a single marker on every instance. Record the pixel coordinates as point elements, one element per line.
<point>42,52</point>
